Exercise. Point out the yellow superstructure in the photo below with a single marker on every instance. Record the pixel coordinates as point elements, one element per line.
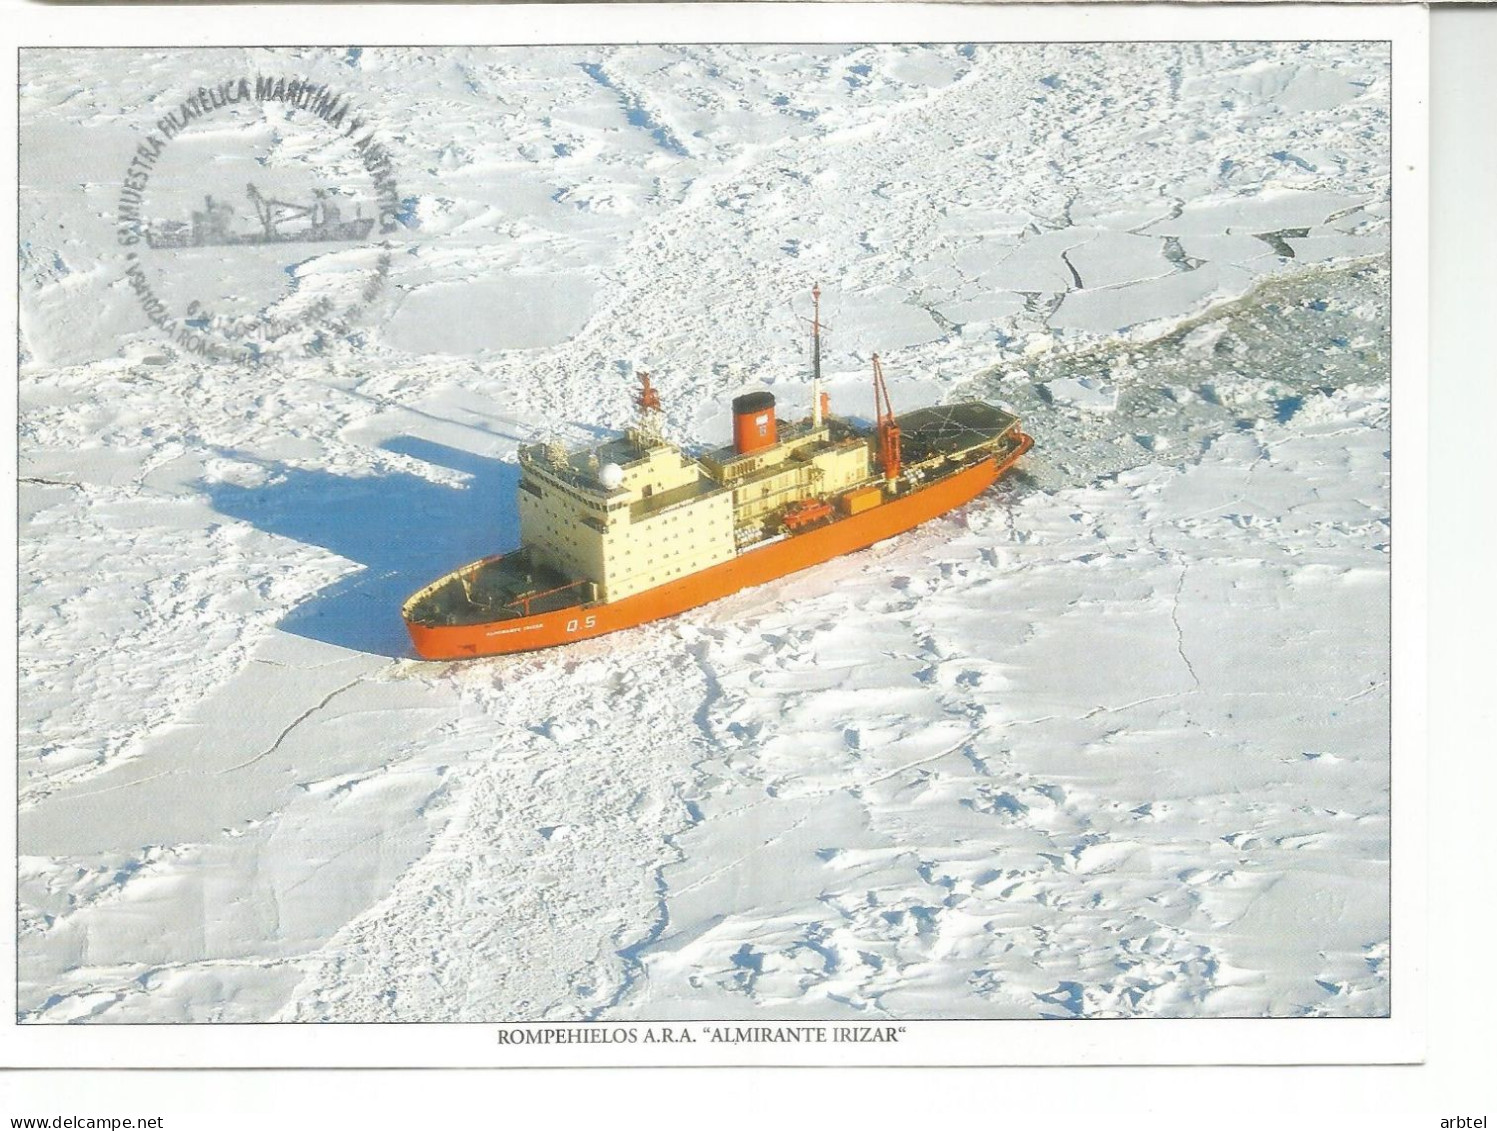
<point>806,463</point>
<point>637,512</point>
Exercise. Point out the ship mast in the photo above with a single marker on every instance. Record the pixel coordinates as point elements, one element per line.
<point>888,427</point>
<point>647,432</point>
<point>818,398</point>
<point>648,399</point>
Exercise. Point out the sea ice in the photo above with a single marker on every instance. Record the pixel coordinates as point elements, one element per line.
<point>1044,757</point>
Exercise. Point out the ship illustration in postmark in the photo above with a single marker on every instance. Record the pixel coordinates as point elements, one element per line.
<point>278,221</point>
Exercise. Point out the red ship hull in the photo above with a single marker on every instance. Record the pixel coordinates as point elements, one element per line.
<point>752,567</point>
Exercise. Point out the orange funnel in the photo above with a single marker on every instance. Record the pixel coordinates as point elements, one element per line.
<point>753,422</point>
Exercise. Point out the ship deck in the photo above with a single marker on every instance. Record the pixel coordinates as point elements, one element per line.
<point>953,430</point>
<point>664,500</point>
<point>495,589</point>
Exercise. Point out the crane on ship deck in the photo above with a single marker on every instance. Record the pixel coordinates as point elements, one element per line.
<point>887,427</point>
<point>272,212</point>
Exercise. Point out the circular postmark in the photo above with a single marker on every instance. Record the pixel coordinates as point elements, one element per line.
<point>256,219</point>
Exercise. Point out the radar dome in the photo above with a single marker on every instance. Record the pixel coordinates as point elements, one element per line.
<point>611,475</point>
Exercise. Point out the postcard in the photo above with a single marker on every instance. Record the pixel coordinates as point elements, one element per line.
<point>718,536</point>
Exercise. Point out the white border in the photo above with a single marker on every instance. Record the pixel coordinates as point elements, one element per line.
<point>1399,1039</point>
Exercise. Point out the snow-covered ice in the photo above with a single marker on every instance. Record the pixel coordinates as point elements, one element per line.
<point>1112,741</point>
